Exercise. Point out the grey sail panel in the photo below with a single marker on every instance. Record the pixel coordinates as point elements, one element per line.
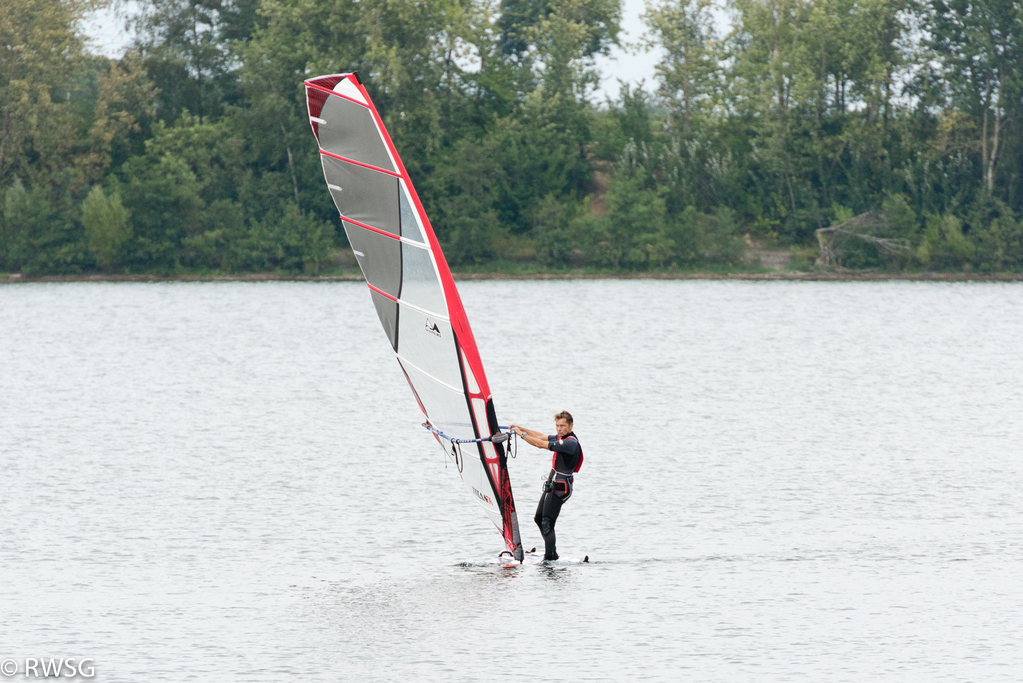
<point>379,257</point>
<point>362,194</point>
<point>349,130</point>
<point>387,311</point>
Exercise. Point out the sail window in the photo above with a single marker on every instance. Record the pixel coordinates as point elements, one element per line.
<point>409,219</point>
<point>420,285</point>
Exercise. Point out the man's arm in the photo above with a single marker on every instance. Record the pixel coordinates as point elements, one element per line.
<point>531,436</point>
<point>568,446</point>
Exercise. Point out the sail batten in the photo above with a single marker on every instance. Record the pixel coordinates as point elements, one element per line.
<point>438,316</point>
<point>411,286</point>
<point>371,167</point>
<point>406,362</point>
<point>405,240</point>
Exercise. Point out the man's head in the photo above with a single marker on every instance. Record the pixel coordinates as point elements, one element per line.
<point>563,423</point>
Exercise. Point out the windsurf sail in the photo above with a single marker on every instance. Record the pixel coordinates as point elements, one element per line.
<point>411,287</point>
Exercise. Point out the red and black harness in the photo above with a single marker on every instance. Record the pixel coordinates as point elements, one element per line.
<point>561,482</point>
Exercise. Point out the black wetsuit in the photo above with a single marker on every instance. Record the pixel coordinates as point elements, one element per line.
<point>558,488</point>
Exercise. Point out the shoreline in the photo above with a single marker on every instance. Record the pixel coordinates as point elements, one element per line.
<point>779,276</point>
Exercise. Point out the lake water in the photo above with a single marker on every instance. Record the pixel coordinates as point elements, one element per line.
<point>784,482</point>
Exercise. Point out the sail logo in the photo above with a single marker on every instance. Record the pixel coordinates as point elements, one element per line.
<point>432,328</point>
<point>485,498</point>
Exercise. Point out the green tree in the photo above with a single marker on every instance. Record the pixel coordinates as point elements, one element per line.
<point>186,51</point>
<point>288,241</point>
<point>107,226</point>
<point>944,245</point>
<point>629,119</point>
<point>42,49</point>
<point>566,38</point>
<point>34,237</point>
<point>24,213</point>
<point>997,235</point>
<point>689,71</point>
<point>123,101</point>
<point>814,86</point>
<point>719,238</point>
<point>633,227</point>
<point>979,45</point>
<point>464,192</point>
<point>553,224</point>
<point>163,195</point>
<point>543,153</point>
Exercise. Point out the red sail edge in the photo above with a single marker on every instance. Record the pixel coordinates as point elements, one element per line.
<point>493,456</point>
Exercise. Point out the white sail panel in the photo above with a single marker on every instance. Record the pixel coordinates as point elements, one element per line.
<point>444,406</point>
<point>348,89</point>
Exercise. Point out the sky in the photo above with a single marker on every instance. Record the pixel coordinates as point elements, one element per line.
<point>630,65</point>
<point>106,33</point>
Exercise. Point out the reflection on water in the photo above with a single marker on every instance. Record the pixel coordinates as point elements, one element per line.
<point>784,481</point>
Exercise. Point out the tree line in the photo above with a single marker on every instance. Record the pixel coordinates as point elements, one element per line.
<point>191,153</point>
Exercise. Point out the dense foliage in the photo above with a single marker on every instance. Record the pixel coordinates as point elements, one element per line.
<point>192,152</point>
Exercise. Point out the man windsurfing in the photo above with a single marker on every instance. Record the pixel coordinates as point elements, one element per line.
<point>566,461</point>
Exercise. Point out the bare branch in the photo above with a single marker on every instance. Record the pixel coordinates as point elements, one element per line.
<point>829,239</point>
